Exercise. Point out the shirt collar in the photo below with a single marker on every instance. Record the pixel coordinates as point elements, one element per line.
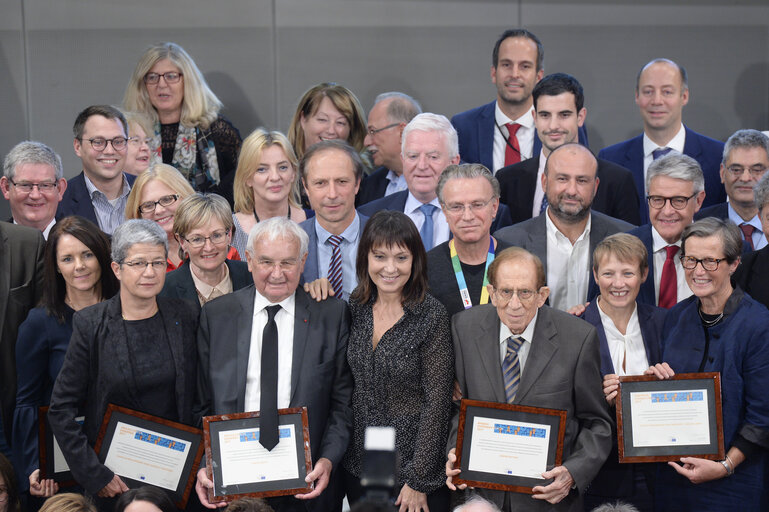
<point>93,191</point>
<point>659,243</point>
<point>204,288</point>
<point>676,143</point>
<point>526,120</point>
<point>413,204</point>
<point>552,230</point>
<point>261,302</point>
<point>350,234</point>
<point>735,217</point>
<point>393,177</point>
<point>527,334</point>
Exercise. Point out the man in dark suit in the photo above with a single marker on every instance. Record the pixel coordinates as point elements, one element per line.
<point>391,112</point>
<point>676,192</point>
<point>746,158</point>
<point>661,93</point>
<point>331,171</point>
<point>502,132</point>
<point>99,193</point>
<point>566,234</point>
<point>519,351</point>
<point>559,112</point>
<point>21,284</point>
<point>270,346</point>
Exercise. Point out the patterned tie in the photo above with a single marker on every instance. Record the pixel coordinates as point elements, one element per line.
<point>427,228</point>
<point>668,281</point>
<point>660,152</point>
<point>512,149</point>
<point>511,367</point>
<point>268,391</point>
<point>747,233</point>
<point>543,207</point>
<point>335,265</point>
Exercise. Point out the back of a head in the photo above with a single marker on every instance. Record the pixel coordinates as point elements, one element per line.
<point>618,506</point>
<point>476,503</point>
<point>154,495</point>
<point>247,504</point>
<point>68,502</point>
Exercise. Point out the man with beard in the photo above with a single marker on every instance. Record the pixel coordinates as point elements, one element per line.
<point>564,238</point>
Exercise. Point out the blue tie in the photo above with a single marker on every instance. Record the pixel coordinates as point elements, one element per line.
<point>543,207</point>
<point>511,367</point>
<point>427,228</point>
<point>660,152</point>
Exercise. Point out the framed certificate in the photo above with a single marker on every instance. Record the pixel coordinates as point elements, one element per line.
<point>508,447</point>
<point>51,459</point>
<point>664,420</point>
<point>144,449</point>
<point>240,466</point>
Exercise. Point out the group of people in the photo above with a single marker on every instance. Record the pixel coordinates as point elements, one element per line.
<point>379,270</point>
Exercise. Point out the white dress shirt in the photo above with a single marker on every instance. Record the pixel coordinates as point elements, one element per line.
<point>628,347</point>
<point>568,266</point>
<point>676,144</point>
<point>759,240</point>
<point>527,335</point>
<point>539,192</point>
<point>284,319</point>
<point>660,255</point>
<point>525,136</point>
<point>441,230</point>
<point>395,183</point>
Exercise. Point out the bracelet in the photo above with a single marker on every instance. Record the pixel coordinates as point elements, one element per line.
<point>728,467</point>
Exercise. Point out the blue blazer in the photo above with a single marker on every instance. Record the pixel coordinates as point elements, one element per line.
<point>647,294</point>
<point>720,211</point>
<point>475,128</point>
<point>373,186</point>
<point>311,272</point>
<point>77,201</point>
<point>708,152</point>
<point>397,202</point>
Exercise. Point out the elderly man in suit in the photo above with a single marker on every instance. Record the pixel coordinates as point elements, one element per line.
<point>519,351</point>
<point>99,193</point>
<point>565,236</point>
<point>331,172</point>
<point>270,346</point>
<point>559,113</point>
<point>661,92</point>
<point>21,284</point>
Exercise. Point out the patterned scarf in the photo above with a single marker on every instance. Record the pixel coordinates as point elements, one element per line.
<point>191,141</point>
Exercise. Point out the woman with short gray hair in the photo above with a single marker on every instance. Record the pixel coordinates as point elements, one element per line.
<point>135,350</point>
<point>753,273</point>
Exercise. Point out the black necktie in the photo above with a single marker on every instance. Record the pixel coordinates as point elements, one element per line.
<point>268,400</point>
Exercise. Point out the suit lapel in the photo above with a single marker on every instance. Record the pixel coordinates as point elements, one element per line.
<point>487,344</point>
<point>243,330</point>
<point>5,279</point>
<point>312,268</point>
<point>692,146</point>
<point>634,160</point>
<point>486,127</point>
<point>542,351</point>
<point>116,334</point>
<point>650,338</point>
<point>647,293</point>
<point>538,239</point>
<point>593,317</point>
<point>301,328</point>
<point>174,332</point>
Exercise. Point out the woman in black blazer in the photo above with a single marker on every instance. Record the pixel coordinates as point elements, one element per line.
<point>203,226</point>
<point>135,350</point>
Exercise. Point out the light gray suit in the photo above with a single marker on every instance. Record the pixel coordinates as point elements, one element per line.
<point>562,371</point>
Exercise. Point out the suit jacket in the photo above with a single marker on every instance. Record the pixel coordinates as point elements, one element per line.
<point>532,236</point>
<point>708,152</point>
<point>179,283</point>
<point>753,275</point>
<point>98,370</point>
<point>562,371</point>
<point>720,211</point>
<point>311,272</point>
<point>475,128</point>
<point>397,201</point>
<point>21,284</point>
<point>616,197</point>
<point>373,186</point>
<point>77,201</point>
<point>320,377</point>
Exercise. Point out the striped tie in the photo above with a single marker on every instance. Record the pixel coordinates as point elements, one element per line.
<point>511,368</point>
<point>335,265</point>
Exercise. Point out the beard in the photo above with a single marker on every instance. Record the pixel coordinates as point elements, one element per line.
<point>570,216</point>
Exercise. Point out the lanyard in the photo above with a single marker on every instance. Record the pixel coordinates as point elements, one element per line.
<point>461,276</point>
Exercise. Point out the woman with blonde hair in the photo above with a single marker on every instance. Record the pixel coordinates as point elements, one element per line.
<point>137,158</point>
<point>266,183</point>
<point>167,86</point>
<point>68,502</point>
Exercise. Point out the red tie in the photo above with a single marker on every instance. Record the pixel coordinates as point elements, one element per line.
<point>747,232</point>
<point>668,281</point>
<point>512,149</point>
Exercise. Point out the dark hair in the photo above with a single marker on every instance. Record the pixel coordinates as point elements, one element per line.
<point>519,32</point>
<point>391,228</point>
<point>107,111</point>
<point>325,145</point>
<point>249,505</point>
<point>9,478</point>
<point>559,83</point>
<point>148,493</point>
<point>54,288</point>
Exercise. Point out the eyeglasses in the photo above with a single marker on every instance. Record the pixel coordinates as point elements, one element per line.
<point>100,143</point>
<point>27,186</point>
<point>217,238</point>
<point>141,265</point>
<point>677,202</point>
<point>374,131</point>
<point>137,141</point>
<point>267,264</point>
<point>171,77</point>
<point>504,295</point>
<point>459,208</point>
<point>737,171</point>
<point>164,201</point>
<point>709,264</point>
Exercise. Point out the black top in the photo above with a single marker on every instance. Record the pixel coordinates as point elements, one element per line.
<point>443,282</point>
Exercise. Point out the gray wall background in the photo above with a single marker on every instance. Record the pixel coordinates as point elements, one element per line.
<point>259,56</point>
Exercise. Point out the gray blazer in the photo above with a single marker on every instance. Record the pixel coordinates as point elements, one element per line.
<point>562,371</point>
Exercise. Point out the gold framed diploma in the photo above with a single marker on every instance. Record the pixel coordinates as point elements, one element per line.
<point>664,420</point>
<point>240,466</point>
<point>507,447</point>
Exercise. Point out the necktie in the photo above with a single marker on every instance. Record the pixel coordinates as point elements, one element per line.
<point>747,233</point>
<point>268,399</point>
<point>427,228</point>
<point>543,207</point>
<point>511,367</point>
<point>335,265</point>
<point>668,281</point>
<point>512,149</point>
<point>660,152</point>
